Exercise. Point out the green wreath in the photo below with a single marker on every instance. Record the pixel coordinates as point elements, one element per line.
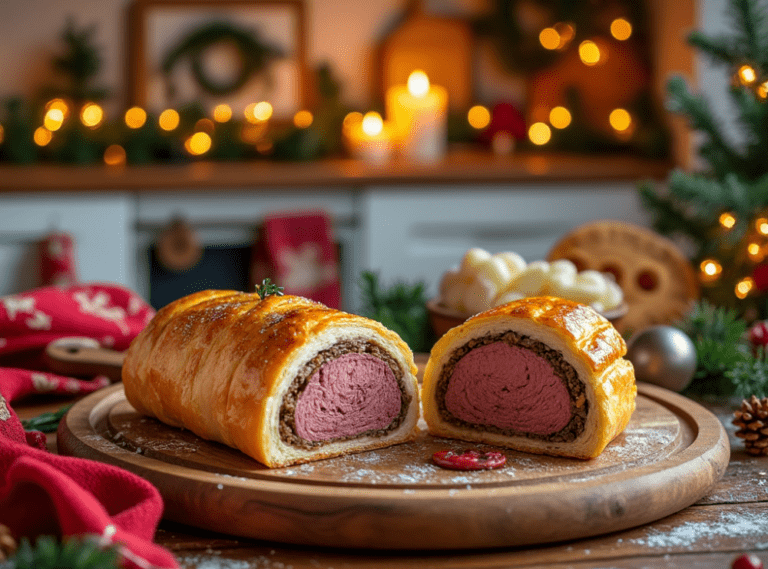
<point>254,55</point>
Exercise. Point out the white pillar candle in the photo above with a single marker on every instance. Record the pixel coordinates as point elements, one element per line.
<point>419,112</point>
<point>370,139</point>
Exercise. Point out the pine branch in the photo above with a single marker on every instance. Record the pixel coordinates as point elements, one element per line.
<point>706,193</point>
<point>749,19</point>
<point>72,553</point>
<point>681,100</point>
<point>671,218</point>
<point>749,377</point>
<point>720,49</point>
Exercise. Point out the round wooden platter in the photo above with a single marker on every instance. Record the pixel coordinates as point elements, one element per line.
<point>671,453</point>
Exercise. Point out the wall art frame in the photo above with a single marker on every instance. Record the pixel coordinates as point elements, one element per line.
<point>218,51</point>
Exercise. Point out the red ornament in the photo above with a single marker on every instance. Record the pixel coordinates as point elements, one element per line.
<point>747,562</point>
<point>505,118</point>
<point>469,460</point>
<point>758,334</point>
<point>760,276</point>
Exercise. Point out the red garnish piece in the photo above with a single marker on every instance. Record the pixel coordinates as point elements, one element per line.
<point>469,460</point>
<point>747,562</point>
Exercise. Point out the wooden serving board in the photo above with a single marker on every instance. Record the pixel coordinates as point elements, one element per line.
<point>671,453</point>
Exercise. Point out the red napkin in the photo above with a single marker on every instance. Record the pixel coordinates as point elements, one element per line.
<point>44,493</point>
<point>298,253</point>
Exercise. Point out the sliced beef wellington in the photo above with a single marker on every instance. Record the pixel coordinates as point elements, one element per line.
<point>541,375</point>
<point>285,380</point>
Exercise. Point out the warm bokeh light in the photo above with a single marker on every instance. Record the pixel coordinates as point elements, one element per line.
<point>372,123</point>
<point>91,115</point>
<point>479,117</point>
<point>169,119</point>
<point>199,143</point>
<point>53,119</point>
<point>560,117</point>
<point>589,52</point>
<point>2,134</point>
<point>253,133</point>
<point>59,104</point>
<point>747,75</point>
<point>761,224</point>
<point>265,146</point>
<point>743,287</point>
<point>620,119</point>
<point>222,113</point>
<point>539,133</point>
<point>418,83</point>
<point>205,125</point>
<point>258,112</point>
<point>621,29</point>
<point>727,220</point>
<point>42,136</point>
<point>351,120</point>
<point>567,33</point>
<point>135,117</point>
<point>549,38</point>
<point>303,119</point>
<point>754,252</point>
<point>762,90</point>
<point>114,155</point>
<point>710,270</point>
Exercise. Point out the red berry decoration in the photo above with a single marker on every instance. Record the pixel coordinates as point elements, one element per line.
<point>469,460</point>
<point>747,562</point>
<point>758,334</point>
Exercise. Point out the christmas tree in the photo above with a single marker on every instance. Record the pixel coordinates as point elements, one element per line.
<point>722,209</point>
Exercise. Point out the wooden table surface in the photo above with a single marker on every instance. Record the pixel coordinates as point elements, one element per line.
<point>730,520</point>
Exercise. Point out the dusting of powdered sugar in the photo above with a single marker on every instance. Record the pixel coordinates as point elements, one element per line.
<point>733,524</point>
<point>211,560</point>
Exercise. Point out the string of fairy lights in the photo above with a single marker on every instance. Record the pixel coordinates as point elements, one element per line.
<point>258,114</point>
<point>754,245</point>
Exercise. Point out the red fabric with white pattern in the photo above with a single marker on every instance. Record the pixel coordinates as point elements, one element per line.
<point>41,492</point>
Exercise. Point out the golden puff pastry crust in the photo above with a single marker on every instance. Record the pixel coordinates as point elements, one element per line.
<point>285,380</point>
<point>541,375</point>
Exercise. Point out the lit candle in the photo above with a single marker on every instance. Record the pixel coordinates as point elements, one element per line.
<point>370,139</point>
<point>419,113</point>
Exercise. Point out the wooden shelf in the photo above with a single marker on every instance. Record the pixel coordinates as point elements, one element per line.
<point>460,167</point>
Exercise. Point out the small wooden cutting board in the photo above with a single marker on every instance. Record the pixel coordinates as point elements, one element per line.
<point>668,457</point>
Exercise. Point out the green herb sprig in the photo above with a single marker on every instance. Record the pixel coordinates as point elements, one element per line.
<point>45,422</point>
<point>267,287</point>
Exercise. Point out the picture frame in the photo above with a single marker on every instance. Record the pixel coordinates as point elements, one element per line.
<point>220,67</point>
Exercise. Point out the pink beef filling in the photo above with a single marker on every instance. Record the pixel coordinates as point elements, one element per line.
<point>347,396</point>
<point>508,387</point>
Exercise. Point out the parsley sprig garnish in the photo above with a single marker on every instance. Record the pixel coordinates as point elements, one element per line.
<point>267,287</point>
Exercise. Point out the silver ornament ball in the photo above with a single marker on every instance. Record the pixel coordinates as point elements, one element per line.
<point>664,356</point>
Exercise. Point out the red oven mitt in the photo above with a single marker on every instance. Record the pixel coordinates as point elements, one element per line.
<point>44,493</point>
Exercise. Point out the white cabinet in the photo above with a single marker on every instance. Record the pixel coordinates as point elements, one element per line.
<point>403,233</point>
<point>102,224</point>
<point>415,234</point>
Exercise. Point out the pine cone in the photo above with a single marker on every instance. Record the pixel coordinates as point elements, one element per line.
<point>752,421</point>
<point>7,543</point>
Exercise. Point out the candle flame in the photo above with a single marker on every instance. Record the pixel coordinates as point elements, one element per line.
<point>418,83</point>
<point>372,123</point>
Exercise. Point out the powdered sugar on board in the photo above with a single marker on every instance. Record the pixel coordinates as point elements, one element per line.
<point>653,433</point>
